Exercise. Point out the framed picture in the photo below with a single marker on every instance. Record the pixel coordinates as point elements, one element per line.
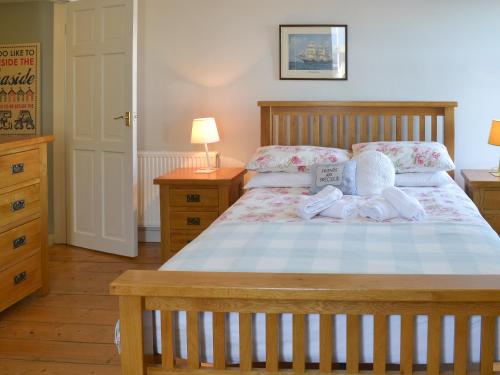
<point>313,52</point>
<point>20,89</point>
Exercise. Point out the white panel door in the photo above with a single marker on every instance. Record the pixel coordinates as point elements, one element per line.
<point>102,150</point>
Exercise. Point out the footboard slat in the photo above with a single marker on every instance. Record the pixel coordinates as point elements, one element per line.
<point>272,342</point>
<point>353,344</point>
<point>407,339</point>
<point>193,339</point>
<point>246,341</point>
<point>487,344</point>
<point>167,340</point>
<point>299,359</point>
<point>325,343</point>
<point>219,328</point>
<point>379,343</point>
<point>433,344</point>
<point>461,355</point>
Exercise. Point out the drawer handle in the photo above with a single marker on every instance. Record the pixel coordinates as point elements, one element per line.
<point>18,242</point>
<point>17,205</point>
<point>19,278</point>
<point>192,198</point>
<point>17,168</point>
<point>193,221</point>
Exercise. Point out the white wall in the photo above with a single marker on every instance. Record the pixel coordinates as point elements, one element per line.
<point>218,57</point>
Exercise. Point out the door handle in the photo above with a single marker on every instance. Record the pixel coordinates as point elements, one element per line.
<point>127,117</point>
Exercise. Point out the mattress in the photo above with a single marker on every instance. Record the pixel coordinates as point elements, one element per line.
<point>452,239</point>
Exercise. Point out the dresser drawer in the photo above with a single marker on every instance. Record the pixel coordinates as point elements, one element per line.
<point>19,204</point>
<point>180,238</point>
<point>491,199</point>
<point>19,167</point>
<point>192,220</point>
<point>19,242</point>
<point>18,281</point>
<point>194,197</point>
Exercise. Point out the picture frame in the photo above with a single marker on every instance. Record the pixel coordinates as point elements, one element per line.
<point>313,52</point>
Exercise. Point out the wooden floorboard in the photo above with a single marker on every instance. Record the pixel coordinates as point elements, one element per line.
<point>71,330</point>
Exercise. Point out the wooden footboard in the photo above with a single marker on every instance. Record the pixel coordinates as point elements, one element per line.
<point>300,294</point>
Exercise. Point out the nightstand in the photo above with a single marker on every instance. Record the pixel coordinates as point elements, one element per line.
<point>484,189</point>
<point>190,202</point>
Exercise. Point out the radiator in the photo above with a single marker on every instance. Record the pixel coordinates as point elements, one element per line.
<point>154,164</point>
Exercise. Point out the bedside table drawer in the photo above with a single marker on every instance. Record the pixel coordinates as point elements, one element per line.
<point>181,238</point>
<point>21,279</point>
<point>494,221</point>
<point>194,197</point>
<point>19,242</point>
<point>19,167</point>
<point>491,199</point>
<point>192,220</point>
<point>19,204</point>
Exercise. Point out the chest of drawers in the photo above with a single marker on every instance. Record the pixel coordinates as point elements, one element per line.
<point>190,202</point>
<point>23,218</point>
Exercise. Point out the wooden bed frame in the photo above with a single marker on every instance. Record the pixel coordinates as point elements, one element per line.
<point>338,124</point>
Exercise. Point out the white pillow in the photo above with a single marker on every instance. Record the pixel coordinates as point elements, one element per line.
<point>411,156</point>
<point>423,179</point>
<point>279,179</point>
<point>374,172</point>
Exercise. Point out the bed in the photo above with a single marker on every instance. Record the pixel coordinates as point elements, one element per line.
<point>226,304</point>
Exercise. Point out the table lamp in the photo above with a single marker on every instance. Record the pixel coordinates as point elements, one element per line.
<point>494,140</point>
<point>204,131</point>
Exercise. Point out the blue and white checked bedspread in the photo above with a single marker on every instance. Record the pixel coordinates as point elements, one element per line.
<point>316,247</point>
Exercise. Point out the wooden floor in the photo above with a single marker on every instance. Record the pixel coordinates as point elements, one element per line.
<point>71,330</point>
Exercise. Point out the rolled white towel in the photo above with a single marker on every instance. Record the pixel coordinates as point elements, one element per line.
<point>342,209</point>
<point>314,204</point>
<point>408,207</point>
<point>379,209</point>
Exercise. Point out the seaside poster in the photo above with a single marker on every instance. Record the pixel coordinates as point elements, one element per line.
<point>20,89</point>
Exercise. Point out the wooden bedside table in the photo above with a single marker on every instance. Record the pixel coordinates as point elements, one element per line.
<point>484,190</point>
<point>190,202</point>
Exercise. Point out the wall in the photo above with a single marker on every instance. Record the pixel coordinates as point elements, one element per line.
<point>219,57</point>
<point>27,22</point>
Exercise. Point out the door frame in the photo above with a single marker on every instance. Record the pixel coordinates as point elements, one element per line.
<point>59,110</point>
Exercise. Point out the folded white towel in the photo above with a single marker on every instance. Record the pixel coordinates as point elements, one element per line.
<point>379,209</point>
<point>408,207</point>
<point>314,204</point>
<point>342,209</point>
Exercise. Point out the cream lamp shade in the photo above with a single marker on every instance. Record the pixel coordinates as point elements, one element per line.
<point>494,139</point>
<point>204,131</point>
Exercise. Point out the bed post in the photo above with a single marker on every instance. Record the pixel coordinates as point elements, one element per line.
<point>131,335</point>
<point>265,126</point>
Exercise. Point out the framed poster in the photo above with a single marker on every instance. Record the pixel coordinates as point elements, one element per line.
<point>313,52</point>
<point>20,89</point>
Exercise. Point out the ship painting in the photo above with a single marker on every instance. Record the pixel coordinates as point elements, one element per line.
<point>316,54</point>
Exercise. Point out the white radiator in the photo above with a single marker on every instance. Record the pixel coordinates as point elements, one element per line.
<point>154,164</point>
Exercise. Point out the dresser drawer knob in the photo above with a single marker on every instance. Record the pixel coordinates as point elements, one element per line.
<point>193,221</point>
<point>17,205</point>
<point>18,242</point>
<point>193,198</point>
<point>20,277</point>
<point>17,168</point>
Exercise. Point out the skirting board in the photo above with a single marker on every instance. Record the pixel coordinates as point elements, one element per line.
<point>149,235</point>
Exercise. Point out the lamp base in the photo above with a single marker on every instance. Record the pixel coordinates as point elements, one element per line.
<point>206,170</point>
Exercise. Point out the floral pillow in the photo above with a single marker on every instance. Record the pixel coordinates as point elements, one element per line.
<point>294,158</point>
<point>408,156</point>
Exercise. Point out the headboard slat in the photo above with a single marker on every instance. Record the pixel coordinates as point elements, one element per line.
<point>354,121</point>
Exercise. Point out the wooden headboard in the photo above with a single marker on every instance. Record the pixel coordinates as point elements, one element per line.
<point>341,124</point>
